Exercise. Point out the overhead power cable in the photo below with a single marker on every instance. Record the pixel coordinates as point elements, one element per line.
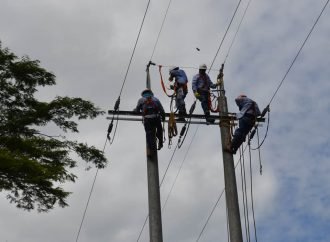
<point>89,196</point>
<point>136,42</point>
<point>239,26</point>
<point>116,108</point>
<point>301,47</point>
<point>161,28</point>
<point>223,38</point>
<point>310,32</point>
<point>217,202</point>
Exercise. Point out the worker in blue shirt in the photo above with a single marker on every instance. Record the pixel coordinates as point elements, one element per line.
<point>180,89</point>
<point>153,113</point>
<point>249,111</point>
<point>201,84</point>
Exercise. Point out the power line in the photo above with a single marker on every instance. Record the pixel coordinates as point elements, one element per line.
<point>117,104</point>
<point>89,196</point>
<point>239,26</point>
<point>216,204</point>
<point>310,32</point>
<point>161,28</point>
<point>301,47</point>
<point>137,39</point>
<point>232,18</point>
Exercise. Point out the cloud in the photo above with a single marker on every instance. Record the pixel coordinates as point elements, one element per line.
<point>88,46</point>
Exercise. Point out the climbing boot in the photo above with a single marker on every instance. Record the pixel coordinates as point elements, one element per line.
<point>208,118</point>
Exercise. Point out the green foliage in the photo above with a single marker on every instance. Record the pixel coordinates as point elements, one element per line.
<point>33,164</point>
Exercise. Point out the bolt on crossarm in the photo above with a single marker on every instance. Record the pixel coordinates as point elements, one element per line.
<point>235,229</point>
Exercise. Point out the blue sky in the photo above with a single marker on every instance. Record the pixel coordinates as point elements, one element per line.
<point>87,45</point>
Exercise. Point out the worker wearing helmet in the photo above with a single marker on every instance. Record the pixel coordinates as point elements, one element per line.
<point>153,113</point>
<point>180,88</point>
<point>249,111</point>
<point>201,84</point>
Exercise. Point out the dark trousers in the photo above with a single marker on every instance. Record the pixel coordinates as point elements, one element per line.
<point>245,124</point>
<point>204,98</point>
<point>153,128</point>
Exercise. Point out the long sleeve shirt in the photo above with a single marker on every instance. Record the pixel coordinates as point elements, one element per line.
<point>179,76</point>
<point>247,106</point>
<point>149,107</point>
<point>202,83</point>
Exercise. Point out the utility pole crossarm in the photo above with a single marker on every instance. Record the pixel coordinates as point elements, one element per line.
<point>222,116</point>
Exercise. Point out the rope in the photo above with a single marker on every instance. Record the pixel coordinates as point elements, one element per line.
<point>162,82</point>
<point>260,165</point>
<point>259,145</point>
<point>172,129</point>
<point>217,200</point>
<point>243,193</point>
<point>252,200</point>
<point>246,203</point>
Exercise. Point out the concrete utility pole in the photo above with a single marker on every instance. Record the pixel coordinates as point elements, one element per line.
<point>155,216</point>
<point>235,229</point>
<point>225,118</point>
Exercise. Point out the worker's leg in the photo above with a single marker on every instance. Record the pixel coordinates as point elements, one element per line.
<point>159,132</point>
<point>245,125</point>
<point>179,101</point>
<point>150,129</point>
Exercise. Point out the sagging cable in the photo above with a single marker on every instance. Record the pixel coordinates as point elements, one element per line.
<point>185,128</point>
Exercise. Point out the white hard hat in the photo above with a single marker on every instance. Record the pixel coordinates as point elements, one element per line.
<point>172,68</point>
<point>202,67</point>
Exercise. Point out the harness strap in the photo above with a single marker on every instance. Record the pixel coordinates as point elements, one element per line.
<point>162,82</point>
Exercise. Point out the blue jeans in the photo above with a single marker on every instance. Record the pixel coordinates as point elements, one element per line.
<point>179,100</point>
<point>245,124</point>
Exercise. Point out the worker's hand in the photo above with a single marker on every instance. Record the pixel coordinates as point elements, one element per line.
<point>197,95</point>
<point>172,87</point>
<point>170,78</point>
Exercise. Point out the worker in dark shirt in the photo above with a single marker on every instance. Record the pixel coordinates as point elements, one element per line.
<point>153,113</point>
<point>249,111</point>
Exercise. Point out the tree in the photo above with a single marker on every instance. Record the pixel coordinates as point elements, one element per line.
<point>33,165</point>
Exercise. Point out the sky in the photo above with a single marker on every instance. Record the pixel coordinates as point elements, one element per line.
<point>88,45</point>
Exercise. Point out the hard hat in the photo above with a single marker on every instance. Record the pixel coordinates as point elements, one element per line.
<point>241,96</point>
<point>172,68</point>
<point>202,67</point>
<point>147,92</point>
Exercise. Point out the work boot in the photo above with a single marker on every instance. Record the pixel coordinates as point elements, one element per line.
<point>160,145</point>
<point>229,149</point>
<point>208,118</point>
<point>182,114</point>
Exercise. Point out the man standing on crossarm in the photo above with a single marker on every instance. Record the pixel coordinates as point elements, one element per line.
<point>153,113</point>
<point>180,89</point>
<point>201,84</point>
<point>249,111</point>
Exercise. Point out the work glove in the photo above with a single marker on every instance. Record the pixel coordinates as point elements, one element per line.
<point>197,95</point>
<point>172,87</point>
